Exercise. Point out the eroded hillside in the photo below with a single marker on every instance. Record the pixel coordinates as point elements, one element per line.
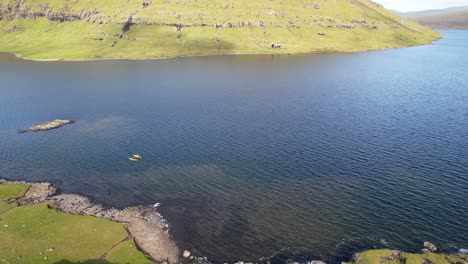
<point>89,29</point>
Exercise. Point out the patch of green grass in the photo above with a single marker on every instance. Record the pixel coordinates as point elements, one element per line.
<point>38,234</point>
<point>4,206</point>
<point>8,191</point>
<point>380,256</point>
<point>373,256</point>
<point>125,253</point>
<point>209,27</point>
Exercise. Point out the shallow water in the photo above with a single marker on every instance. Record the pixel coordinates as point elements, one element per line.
<point>328,153</point>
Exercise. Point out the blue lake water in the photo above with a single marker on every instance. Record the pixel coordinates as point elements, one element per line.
<point>328,153</point>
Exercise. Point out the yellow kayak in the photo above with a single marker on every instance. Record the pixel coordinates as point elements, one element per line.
<point>136,156</point>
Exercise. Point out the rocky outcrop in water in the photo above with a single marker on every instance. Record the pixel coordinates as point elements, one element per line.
<point>430,247</point>
<point>186,254</point>
<point>48,125</point>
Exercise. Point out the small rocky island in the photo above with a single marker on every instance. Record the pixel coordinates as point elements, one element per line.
<point>48,125</point>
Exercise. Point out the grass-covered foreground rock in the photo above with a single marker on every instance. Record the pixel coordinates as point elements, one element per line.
<point>38,234</point>
<point>386,256</point>
<point>89,29</point>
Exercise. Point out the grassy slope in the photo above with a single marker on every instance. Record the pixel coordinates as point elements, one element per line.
<point>28,233</point>
<point>293,23</point>
<point>432,12</point>
<point>378,257</point>
<point>10,191</point>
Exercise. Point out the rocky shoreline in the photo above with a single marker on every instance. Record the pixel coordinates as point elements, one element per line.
<point>143,223</point>
<point>150,231</point>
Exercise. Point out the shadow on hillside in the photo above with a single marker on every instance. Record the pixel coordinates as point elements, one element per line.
<point>177,37</point>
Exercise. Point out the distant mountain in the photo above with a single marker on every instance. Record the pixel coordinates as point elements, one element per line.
<point>432,12</point>
<point>449,18</point>
<point>91,29</point>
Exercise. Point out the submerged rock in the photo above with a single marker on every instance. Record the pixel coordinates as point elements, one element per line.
<point>48,125</point>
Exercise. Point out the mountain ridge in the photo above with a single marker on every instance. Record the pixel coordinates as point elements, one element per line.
<point>421,13</point>
<point>448,18</point>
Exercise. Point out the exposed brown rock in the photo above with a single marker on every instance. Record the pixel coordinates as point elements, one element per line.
<point>37,193</point>
<point>395,256</point>
<point>426,261</point>
<point>146,3</point>
<point>151,233</point>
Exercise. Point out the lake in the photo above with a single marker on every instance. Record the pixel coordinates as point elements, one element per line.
<point>321,154</point>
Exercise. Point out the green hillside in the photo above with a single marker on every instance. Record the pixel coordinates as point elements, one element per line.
<point>91,29</point>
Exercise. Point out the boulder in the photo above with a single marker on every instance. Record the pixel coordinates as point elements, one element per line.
<point>395,256</point>
<point>427,261</point>
<point>275,46</point>
<point>146,3</point>
<point>431,247</point>
<point>186,254</point>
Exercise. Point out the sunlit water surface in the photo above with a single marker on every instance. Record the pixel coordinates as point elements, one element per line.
<point>326,153</point>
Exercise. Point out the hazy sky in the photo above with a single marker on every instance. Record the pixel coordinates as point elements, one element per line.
<point>415,5</point>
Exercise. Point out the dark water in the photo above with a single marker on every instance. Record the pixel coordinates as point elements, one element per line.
<point>328,153</point>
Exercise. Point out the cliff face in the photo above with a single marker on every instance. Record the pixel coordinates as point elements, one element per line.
<point>87,29</point>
